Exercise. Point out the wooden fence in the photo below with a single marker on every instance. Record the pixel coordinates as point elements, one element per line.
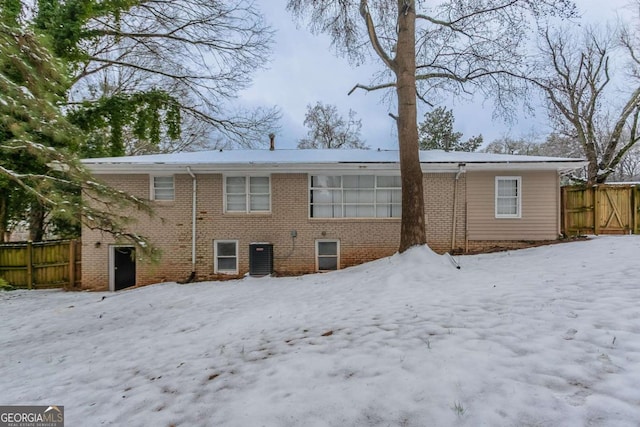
<point>41,265</point>
<point>601,209</point>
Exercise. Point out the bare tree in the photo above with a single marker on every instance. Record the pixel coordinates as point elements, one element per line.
<point>449,48</point>
<point>202,52</point>
<point>629,167</point>
<point>557,145</point>
<point>328,129</point>
<point>576,74</point>
<point>508,145</point>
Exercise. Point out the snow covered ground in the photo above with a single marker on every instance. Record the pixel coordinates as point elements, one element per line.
<point>548,336</point>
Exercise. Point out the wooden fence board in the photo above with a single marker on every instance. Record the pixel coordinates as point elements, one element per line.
<point>614,209</point>
<point>601,209</point>
<point>636,210</point>
<point>578,210</point>
<point>41,265</point>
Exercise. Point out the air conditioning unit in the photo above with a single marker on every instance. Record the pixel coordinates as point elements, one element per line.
<point>260,259</point>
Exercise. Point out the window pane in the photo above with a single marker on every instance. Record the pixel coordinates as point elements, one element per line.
<point>163,188</point>
<point>363,196</point>
<point>163,181</point>
<point>388,181</point>
<point>350,211</point>
<point>327,248</point>
<point>226,264</point>
<point>326,196</point>
<point>507,187</point>
<point>260,203</point>
<point>321,211</point>
<point>236,203</point>
<point>359,211</point>
<point>327,263</point>
<point>323,181</point>
<point>358,196</point>
<point>358,181</point>
<point>226,249</point>
<point>388,196</point>
<point>259,185</point>
<point>236,185</point>
<point>507,206</point>
<point>162,194</point>
<point>383,211</point>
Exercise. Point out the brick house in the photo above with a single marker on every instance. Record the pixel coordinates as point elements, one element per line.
<point>226,213</point>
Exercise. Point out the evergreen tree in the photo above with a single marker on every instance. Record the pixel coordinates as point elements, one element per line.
<point>436,133</point>
<point>37,164</point>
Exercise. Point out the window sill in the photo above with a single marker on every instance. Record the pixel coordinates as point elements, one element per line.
<point>245,214</point>
<point>391,220</point>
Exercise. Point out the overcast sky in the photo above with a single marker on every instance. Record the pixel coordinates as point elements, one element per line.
<point>304,70</point>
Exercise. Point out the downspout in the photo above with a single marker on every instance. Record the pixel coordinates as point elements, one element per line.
<point>193,226</point>
<point>461,170</point>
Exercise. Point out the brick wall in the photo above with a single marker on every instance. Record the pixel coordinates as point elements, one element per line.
<point>170,229</point>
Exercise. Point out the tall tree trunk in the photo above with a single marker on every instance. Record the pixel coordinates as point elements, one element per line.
<point>36,222</point>
<point>4,210</point>
<point>412,231</point>
<point>592,166</point>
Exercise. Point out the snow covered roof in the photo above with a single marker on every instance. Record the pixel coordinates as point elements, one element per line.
<point>306,160</point>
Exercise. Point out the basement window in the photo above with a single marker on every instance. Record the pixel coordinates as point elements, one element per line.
<point>225,256</point>
<point>327,255</point>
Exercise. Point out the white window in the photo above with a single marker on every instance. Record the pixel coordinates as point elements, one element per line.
<point>225,256</point>
<point>162,188</point>
<point>327,255</point>
<point>248,194</point>
<point>355,196</point>
<point>508,197</point>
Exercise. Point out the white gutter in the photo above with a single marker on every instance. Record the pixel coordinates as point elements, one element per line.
<point>461,170</point>
<point>193,223</point>
<point>357,168</point>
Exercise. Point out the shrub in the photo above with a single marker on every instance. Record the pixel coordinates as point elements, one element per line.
<point>5,286</point>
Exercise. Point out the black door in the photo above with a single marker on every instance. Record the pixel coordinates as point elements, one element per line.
<point>124,267</point>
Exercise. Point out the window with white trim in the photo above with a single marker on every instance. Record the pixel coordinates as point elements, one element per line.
<point>355,196</point>
<point>162,188</point>
<point>248,194</point>
<point>225,256</point>
<point>508,196</point>
<point>327,255</point>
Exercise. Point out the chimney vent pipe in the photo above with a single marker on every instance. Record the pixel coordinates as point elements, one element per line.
<point>272,141</point>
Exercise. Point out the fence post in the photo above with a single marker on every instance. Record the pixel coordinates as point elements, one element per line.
<point>636,209</point>
<point>30,264</point>
<point>563,211</point>
<point>72,263</point>
<point>596,210</point>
